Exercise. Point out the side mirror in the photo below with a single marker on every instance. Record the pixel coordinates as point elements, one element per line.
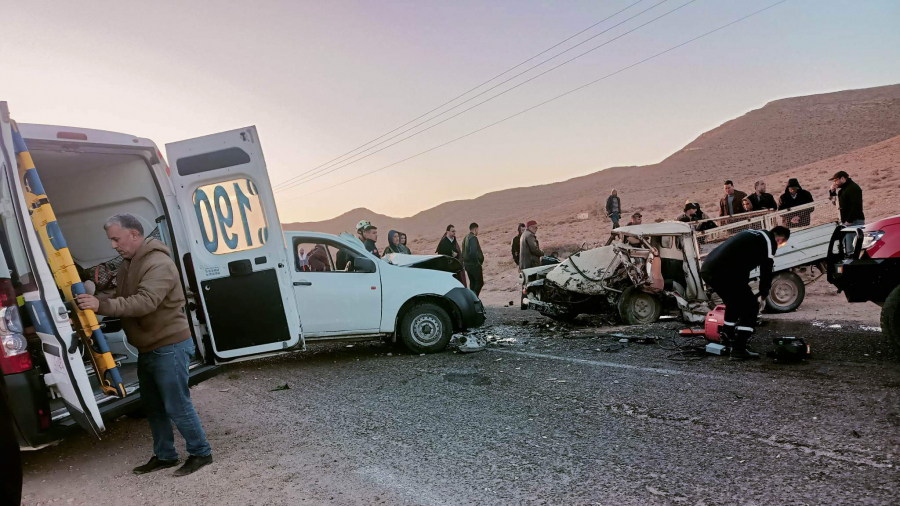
<point>361,264</point>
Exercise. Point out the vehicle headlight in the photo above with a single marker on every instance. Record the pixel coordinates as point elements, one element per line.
<point>10,321</point>
<point>870,238</point>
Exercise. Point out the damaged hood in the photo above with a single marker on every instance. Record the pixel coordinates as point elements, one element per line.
<point>433,262</point>
<point>584,271</point>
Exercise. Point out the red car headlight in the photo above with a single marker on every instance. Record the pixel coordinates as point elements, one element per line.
<point>871,238</point>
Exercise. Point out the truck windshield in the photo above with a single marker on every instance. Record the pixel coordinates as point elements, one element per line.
<point>11,239</point>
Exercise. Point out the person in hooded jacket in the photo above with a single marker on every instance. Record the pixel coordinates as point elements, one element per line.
<point>794,195</point>
<point>394,245</point>
<point>149,299</point>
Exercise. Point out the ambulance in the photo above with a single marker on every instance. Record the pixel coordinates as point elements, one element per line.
<point>249,293</point>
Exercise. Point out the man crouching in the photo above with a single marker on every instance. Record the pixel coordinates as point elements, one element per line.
<point>727,271</point>
<point>150,301</point>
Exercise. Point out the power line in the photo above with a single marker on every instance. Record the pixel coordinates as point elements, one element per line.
<point>329,170</point>
<point>547,101</point>
<point>468,91</point>
<point>315,174</point>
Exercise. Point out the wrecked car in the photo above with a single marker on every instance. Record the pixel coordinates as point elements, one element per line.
<point>645,271</point>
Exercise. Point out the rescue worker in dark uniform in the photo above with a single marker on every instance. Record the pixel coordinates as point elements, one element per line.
<point>727,271</point>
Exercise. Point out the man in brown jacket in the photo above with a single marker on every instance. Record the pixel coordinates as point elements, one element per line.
<point>730,204</point>
<point>531,253</point>
<point>150,301</point>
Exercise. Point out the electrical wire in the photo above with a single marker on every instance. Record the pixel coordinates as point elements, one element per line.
<point>684,349</point>
<point>579,88</point>
<point>468,91</point>
<point>329,170</point>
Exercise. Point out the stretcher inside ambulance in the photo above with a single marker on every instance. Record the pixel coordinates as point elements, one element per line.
<point>214,208</point>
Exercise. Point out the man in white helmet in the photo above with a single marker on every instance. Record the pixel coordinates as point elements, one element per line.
<point>367,235</point>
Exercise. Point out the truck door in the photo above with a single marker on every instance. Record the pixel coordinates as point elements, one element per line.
<point>236,243</point>
<point>40,302</point>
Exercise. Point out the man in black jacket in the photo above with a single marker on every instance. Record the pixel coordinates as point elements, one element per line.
<point>473,259</point>
<point>794,195</point>
<point>516,245</point>
<point>449,247</point>
<point>727,271</point>
<point>850,203</point>
<point>761,200</point>
<point>614,208</point>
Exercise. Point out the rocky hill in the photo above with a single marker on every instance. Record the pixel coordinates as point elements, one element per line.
<point>807,137</point>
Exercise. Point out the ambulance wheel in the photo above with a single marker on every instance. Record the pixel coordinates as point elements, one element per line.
<point>890,318</point>
<point>787,293</point>
<point>426,328</point>
<point>637,307</point>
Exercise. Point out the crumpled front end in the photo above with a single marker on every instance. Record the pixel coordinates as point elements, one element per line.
<point>601,270</point>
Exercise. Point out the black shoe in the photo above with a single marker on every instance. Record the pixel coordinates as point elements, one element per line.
<point>744,354</point>
<point>154,464</point>
<point>192,464</point>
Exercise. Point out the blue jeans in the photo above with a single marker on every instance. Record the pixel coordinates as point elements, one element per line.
<point>163,377</point>
<point>615,219</point>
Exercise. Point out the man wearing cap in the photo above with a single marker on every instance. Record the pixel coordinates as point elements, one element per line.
<point>636,219</point>
<point>849,201</point>
<point>794,195</point>
<point>690,210</point>
<point>531,253</point>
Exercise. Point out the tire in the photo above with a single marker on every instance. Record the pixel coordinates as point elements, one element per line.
<point>637,307</point>
<point>787,293</point>
<point>426,328</point>
<point>890,318</point>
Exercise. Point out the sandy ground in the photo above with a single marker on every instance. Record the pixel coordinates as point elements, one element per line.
<point>544,416</point>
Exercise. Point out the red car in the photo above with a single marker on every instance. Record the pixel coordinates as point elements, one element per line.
<point>870,270</point>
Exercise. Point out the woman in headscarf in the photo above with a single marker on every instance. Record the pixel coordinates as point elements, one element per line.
<point>403,243</point>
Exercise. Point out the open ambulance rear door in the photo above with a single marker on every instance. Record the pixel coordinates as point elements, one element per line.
<point>237,247</point>
<point>42,303</point>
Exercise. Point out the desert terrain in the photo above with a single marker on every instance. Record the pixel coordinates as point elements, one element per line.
<point>808,137</point>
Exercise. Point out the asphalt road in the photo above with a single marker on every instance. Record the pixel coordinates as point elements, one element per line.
<point>544,417</point>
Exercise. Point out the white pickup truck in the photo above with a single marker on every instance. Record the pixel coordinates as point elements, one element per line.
<point>247,295</point>
<point>646,270</point>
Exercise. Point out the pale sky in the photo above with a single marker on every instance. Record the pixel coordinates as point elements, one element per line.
<point>321,78</point>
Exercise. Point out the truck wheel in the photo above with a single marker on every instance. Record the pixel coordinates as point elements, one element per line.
<point>787,293</point>
<point>890,318</point>
<point>426,328</point>
<point>637,307</point>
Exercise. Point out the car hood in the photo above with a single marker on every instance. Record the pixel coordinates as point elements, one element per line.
<point>433,262</point>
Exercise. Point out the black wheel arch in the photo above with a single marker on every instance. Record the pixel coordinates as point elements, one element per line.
<point>439,300</point>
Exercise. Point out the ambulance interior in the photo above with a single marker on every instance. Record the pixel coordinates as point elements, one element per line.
<point>85,189</point>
